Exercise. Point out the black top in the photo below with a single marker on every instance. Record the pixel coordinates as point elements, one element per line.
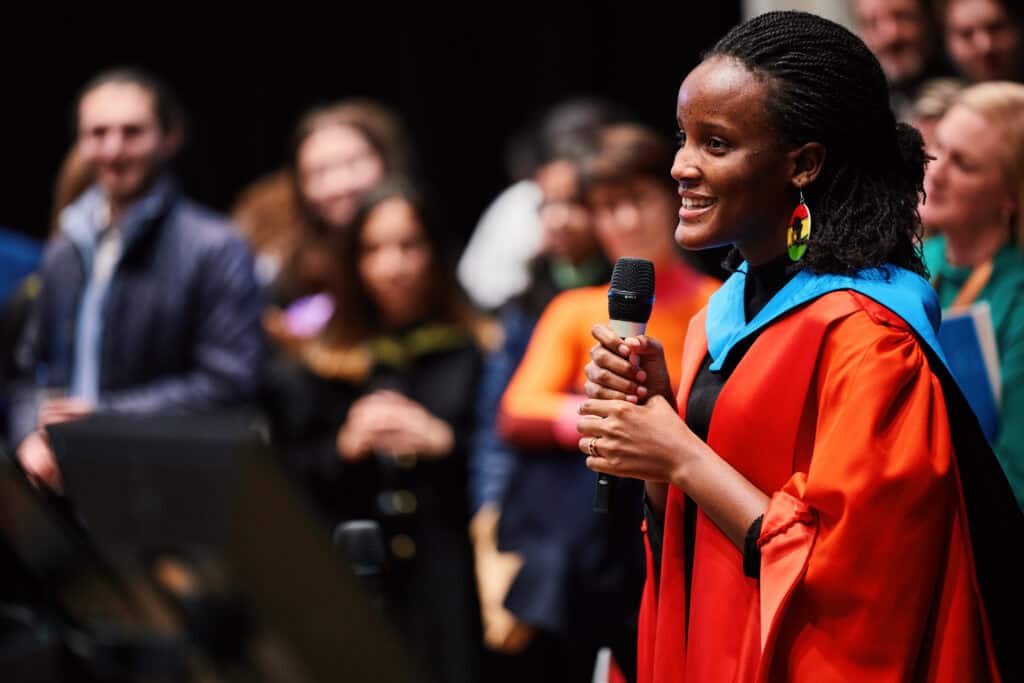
<point>421,504</point>
<point>762,283</point>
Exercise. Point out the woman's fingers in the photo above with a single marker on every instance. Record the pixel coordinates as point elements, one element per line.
<point>600,408</point>
<point>593,390</point>
<point>607,338</point>
<point>589,425</point>
<point>642,345</point>
<point>597,463</point>
<point>609,379</point>
<point>607,360</point>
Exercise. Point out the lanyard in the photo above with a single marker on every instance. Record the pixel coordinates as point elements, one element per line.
<point>976,281</point>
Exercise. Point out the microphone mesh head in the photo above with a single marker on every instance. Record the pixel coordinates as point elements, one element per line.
<point>632,290</point>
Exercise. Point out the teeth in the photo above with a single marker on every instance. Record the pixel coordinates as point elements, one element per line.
<point>692,203</point>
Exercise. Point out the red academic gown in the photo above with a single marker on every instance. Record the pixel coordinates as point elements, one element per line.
<point>867,571</point>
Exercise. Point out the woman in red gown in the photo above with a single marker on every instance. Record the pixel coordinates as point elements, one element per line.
<point>821,504</point>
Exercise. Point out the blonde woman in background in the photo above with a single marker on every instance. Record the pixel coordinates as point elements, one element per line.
<point>975,196</point>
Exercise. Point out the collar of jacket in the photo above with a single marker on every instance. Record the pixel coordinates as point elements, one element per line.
<point>402,350</point>
<point>906,294</point>
<point>80,221</point>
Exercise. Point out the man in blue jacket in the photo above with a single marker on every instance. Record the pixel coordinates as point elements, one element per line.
<point>149,302</point>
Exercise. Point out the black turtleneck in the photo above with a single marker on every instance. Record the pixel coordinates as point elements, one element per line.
<point>761,284</point>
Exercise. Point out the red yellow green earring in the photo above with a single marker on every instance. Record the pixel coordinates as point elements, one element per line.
<point>799,230</point>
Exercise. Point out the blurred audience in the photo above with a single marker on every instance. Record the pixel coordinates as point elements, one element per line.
<point>902,36</point>
<point>19,257</point>
<point>579,584</point>
<point>975,197</point>
<point>495,264</point>
<point>375,413</point>
<point>932,103</point>
<point>74,177</point>
<point>267,215</point>
<point>148,301</point>
<point>569,257</point>
<point>296,218</point>
<point>20,284</point>
<point>933,100</point>
<point>985,38</point>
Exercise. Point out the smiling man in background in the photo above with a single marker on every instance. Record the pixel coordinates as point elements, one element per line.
<point>149,302</point>
<point>985,38</point>
<point>903,38</point>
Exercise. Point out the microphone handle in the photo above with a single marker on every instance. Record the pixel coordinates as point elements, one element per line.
<point>606,483</point>
<point>603,492</point>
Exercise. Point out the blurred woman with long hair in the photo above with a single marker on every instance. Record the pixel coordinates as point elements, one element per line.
<point>376,414</point>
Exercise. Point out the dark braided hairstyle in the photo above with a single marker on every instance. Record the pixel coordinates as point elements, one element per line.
<point>825,86</point>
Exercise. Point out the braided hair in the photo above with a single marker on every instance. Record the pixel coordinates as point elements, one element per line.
<point>825,86</point>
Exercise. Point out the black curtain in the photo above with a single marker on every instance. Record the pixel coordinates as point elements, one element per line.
<point>464,80</point>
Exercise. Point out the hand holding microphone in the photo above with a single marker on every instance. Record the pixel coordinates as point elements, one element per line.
<point>630,299</point>
<point>630,426</point>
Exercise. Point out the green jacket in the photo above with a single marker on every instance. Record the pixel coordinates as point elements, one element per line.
<point>1005,295</point>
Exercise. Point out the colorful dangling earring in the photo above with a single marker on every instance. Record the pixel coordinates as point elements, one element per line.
<point>799,230</point>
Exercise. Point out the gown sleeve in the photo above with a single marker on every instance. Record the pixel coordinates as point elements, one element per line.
<point>856,551</point>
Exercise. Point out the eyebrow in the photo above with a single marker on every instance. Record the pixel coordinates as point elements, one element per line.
<point>712,125</point>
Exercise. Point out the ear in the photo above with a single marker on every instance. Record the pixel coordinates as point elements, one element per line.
<point>807,162</point>
<point>171,143</point>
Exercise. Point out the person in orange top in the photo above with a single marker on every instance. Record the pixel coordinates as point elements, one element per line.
<point>540,406</point>
<point>580,581</point>
<point>821,502</point>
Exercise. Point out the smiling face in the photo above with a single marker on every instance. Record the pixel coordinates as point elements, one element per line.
<point>337,166</point>
<point>735,179</point>
<point>565,219</point>
<point>966,185</point>
<point>983,40</point>
<point>633,217</point>
<point>120,139</point>
<point>896,31</point>
<point>395,262</point>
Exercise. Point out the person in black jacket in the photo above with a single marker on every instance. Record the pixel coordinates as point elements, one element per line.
<point>149,302</point>
<point>375,413</point>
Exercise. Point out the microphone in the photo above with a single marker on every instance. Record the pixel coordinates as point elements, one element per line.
<point>630,299</point>
<point>362,544</point>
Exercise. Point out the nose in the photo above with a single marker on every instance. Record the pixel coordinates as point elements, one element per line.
<point>684,169</point>
<point>982,40</point>
<point>112,144</point>
<point>392,263</point>
<point>936,172</point>
<point>626,215</point>
<point>340,181</point>
<point>555,217</point>
<point>888,31</point>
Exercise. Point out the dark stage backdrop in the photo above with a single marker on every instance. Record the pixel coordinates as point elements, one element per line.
<point>464,80</point>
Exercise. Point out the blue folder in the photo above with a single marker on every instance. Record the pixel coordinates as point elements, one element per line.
<point>968,341</point>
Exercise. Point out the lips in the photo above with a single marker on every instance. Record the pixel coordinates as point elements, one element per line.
<point>693,207</point>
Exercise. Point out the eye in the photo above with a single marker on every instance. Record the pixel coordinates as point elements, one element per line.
<point>412,244</point>
<point>681,137</point>
<point>717,145</point>
<point>961,163</point>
